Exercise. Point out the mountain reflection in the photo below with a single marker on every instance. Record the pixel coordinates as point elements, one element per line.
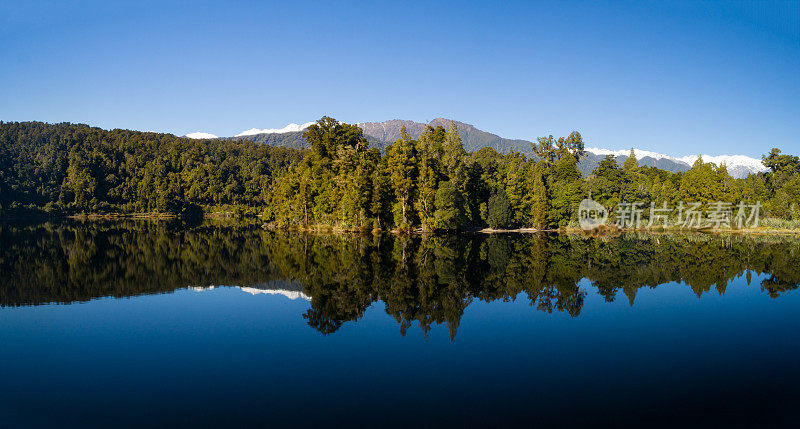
<point>421,280</point>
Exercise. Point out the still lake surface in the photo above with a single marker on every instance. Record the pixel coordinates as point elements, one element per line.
<point>164,323</point>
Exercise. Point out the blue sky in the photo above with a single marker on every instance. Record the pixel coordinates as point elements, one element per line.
<point>674,77</point>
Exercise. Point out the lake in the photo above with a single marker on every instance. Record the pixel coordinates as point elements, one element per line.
<point>167,323</point>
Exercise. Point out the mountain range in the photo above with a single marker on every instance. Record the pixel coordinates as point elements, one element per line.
<point>383,134</point>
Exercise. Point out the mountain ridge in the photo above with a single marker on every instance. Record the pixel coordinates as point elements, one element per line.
<point>383,134</point>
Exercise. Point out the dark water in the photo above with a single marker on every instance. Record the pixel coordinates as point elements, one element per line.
<point>163,324</point>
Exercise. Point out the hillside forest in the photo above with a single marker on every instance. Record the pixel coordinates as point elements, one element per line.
<point>340,181</point>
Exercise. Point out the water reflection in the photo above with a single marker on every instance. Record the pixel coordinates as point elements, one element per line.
<point>422,281</point>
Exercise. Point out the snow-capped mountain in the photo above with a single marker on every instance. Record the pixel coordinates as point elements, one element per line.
<point>739,166</point>
<point>201,135</point>
<point>291,128</point>
<point>638,152</point>
<point>383,134</point>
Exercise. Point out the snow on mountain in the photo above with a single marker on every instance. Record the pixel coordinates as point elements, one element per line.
<point>638,152</point>
<point>383,133</point>
<point>200,135</point>
<point>287,129</point>
<point>739,166</point>
<point>729,160</point>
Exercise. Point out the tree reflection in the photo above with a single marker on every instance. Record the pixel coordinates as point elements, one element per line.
<point>421,280</point>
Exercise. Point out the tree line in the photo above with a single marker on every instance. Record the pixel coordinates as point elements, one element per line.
<point>340,181</point>
<point>432,183</point>
<point>71,168</point>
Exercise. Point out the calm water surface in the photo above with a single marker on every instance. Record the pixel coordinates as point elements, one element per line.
<point>142,324</point>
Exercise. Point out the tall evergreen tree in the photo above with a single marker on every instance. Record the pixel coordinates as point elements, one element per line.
<point>540,206</point>
<point>402,162</point>
<point>454,157</point>
<point>631,163</point>
<point>499,210</point>
<point>449,206</point>
<point>431,151</point>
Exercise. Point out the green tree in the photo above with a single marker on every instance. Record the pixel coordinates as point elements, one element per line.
<point>516,186</point>
<point>606,182</point>
<point>545,149</point>
<point>382,194</point>
<point>499,210</point>
<point>449,206</point>
<point>777,162</point>
<point>574,145</point>
<point>701,184</point>
<point>402,162</point>
<point>566,190</point>
<point>431,152</point>
<point>631,163</point>
<point>540,201</point>
<point>79,177</point>
<point>454,157</point>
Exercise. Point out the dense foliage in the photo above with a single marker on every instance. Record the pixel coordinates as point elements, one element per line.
<point>433,183</point>
<point>430,182</point>
<point>68,168</point>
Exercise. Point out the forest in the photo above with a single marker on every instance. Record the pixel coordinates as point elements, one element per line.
<point>429,183</point>
<point>68,168</point>
<point>432,183</point>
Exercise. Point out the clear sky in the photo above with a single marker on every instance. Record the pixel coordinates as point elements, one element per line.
<point>674,77</point>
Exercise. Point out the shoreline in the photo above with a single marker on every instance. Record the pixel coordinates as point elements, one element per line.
<point>604,232</point>
<point>122,216</point>
<point>601,231</point>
